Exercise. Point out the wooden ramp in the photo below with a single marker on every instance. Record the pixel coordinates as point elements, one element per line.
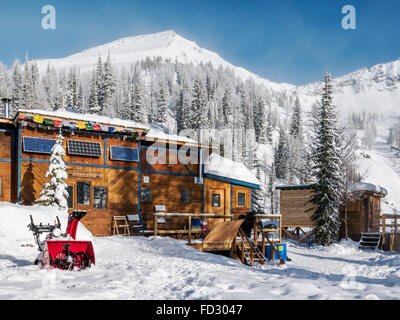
<point>222,236</point>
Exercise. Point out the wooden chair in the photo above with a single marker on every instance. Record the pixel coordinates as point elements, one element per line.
<point>161,221</point>
<point>120,222</point>
<point>138,225</point>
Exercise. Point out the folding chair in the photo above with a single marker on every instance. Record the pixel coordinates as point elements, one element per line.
<point>161,221</point>
<point>139,224</point>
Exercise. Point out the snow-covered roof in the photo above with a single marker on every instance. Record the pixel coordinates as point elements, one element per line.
<point>87,117</point>
<point>226,168</point>
<point>154,133</point>
<point>364,186</point>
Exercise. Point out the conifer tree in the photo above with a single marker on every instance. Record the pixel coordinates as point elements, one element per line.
<point>162,105</point>
<point>55,192</point>
<point>200,109</point>
<point>281,156</point>
<point>326,157</point>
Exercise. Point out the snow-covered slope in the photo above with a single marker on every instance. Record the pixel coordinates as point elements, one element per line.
<point>375,89</point>
<point>167,44</point>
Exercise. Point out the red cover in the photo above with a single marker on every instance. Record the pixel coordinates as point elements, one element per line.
<point>72,227</point>
<point>56,246</point>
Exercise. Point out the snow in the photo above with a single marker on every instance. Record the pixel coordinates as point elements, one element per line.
<point>167,45</point>
<point>224,167</point>
<point>364,186</point>
<point>164,268</point>
<point>154,133</point>
<point>87,117</point>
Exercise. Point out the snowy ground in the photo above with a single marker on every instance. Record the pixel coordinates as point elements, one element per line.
<point>163,268</point>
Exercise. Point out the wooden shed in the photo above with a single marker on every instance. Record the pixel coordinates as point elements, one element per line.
<point>115,168</point>
<point>363,208</point>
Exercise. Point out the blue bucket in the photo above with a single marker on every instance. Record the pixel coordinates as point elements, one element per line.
<point>280,247</point>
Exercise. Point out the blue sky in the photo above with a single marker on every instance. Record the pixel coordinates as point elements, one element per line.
<point>283,41</point>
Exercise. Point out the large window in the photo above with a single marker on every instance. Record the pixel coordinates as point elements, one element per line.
<point>70,190</point>
<point>100,197</point>
<point>146,194</point>
<point>83,192</point>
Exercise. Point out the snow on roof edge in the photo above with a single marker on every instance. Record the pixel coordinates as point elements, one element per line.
<point>226,168</point>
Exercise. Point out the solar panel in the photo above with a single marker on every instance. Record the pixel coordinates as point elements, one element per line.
<point>123,153</point>
<point>84,148</point>
<point>38,145</point>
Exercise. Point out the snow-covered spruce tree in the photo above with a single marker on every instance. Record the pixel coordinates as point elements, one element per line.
<point>296,123</point>
<point>258,194</point>
<point>55,193</point>
<point>281,156</point>
<point>326,158</point>
<point>162,105</point>
<point>200,106</point>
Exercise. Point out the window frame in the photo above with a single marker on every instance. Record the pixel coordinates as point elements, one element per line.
<point>219,200</point>
<point>106,192</point>
<point>141,194</point>
<point>90,193</point>
<point>237,199</point>
<point>72,195</point>
<point>188,196</point>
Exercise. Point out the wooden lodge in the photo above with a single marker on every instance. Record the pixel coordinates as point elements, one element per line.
<point>117,168</point>
<point>363,208</point>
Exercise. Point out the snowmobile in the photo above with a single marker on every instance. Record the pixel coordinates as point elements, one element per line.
<point>62,251</point>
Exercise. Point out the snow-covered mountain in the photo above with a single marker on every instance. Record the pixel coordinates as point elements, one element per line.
<point>167,45</point>
<point>375,89</point>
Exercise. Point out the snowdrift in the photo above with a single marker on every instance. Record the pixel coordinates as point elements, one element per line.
<point>14,220</point>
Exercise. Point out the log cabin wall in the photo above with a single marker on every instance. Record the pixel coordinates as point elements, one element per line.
<point>241,200</point>
<point>293,207</point>
<point>7,164</point>
<point>363,215</point>
<point>117,179</point>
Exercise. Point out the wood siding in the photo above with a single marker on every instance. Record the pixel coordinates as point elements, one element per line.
<point>293,208</point>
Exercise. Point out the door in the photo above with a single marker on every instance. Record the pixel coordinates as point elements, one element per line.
<point>215,203</point>
<point>367,215</point>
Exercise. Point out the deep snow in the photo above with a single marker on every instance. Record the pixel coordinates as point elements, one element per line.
<point>164,268</point>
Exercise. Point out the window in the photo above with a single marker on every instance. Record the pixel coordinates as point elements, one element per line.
<point>146,194</point>
<point>241,199</point>
<point>70,190</point>
<point>124,153</point>
<point>185,196</point>
<point>100,197</point>
<point>83,193</point>
<point>216,200</point>
<point>84,148</point>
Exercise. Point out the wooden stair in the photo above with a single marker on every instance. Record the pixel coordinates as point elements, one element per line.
<point>370,240</point>
<point>249,251</point>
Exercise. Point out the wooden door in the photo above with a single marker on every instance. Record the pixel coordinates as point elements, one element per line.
<point>215,203</point>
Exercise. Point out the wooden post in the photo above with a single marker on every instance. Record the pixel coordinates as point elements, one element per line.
<point>155,225</point>
<point>190,230</point>
<point>383,230</point>
<point>255,231</point>
<point>263,244</point>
